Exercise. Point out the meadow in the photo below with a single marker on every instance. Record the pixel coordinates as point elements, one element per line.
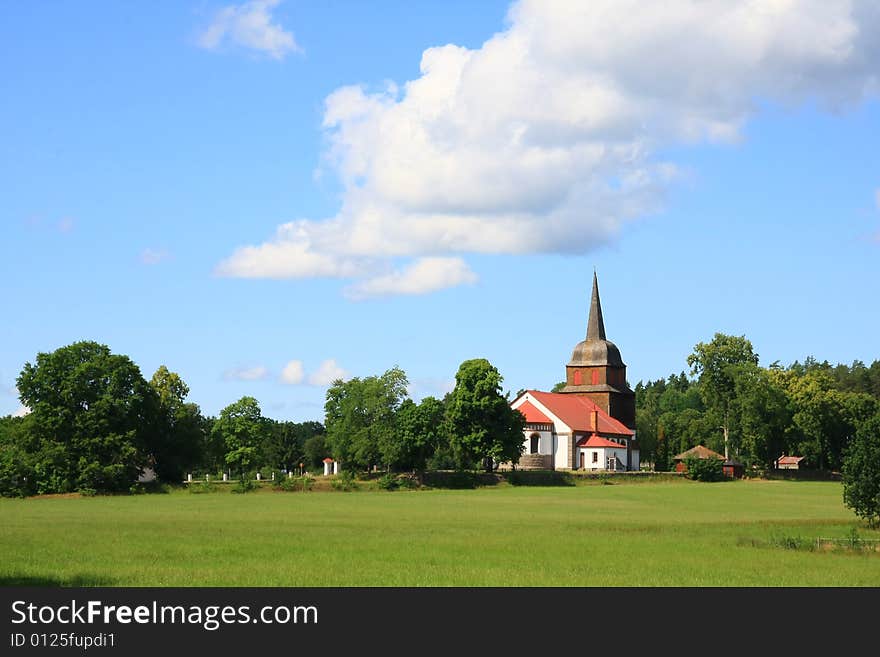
<point>680,533</point>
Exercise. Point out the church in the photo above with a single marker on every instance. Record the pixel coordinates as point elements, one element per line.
<point>589,424</point>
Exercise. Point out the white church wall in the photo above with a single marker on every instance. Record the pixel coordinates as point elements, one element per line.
<point>560,457</point>
<point>635,463</point>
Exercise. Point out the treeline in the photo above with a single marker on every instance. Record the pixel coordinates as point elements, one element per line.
<point>729,403</point>
<point>96,425</point>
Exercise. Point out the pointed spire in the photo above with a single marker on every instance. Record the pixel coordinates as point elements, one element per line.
<point>595,325</point>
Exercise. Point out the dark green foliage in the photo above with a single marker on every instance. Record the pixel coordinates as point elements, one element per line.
<point>16,463</point>
<point>178,444</point>
<point>421,430</point>
<point>344,481</point>
<point>710,469</point>
<point>242,429</point>
<point>92,422</point>
<point>482,425</point>
<point>861,472</point>
<point>284,444</point>
<point>244,485</point>
<point>315,450</point>
<point>387,481</point>
<point>538,478</point>
<point>360,417</point>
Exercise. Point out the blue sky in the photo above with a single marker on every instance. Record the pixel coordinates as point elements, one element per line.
<point>264,195</point>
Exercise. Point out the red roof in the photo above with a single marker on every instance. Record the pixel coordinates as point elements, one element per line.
<point>577,412</point>
<point>328,460</point>
<point>790,460</point>
<point>598,441</point>
<point>532,414</point>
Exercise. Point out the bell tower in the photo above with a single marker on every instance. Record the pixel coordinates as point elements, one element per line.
<point>598,372</point>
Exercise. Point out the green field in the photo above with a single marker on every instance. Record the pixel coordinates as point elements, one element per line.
<point>646,534</point>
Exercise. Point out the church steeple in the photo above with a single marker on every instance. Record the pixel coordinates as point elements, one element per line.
<point>596,369</point>
<point>595,325</point>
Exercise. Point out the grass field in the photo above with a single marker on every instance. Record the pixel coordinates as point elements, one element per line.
<point>647,534</point>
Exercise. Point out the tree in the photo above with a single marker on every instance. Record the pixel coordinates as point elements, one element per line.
<point>92,417</point>
<point>284,444</point>
<point>315,451</point>
<point>482,424</point>
<point>420,432</point>
<point>765,415</point>
<point>241,428</point>
<point>16,462</point>
<point>360,415</point>
<point>861,472</point>
<point>179,442</point>
<point>718,364</point>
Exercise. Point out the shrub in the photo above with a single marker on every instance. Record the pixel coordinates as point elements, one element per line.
<point>198,487</point>
<point>711,469</point>
<point>345,480</point>
<point>244,486</point>
<point>387,481</point>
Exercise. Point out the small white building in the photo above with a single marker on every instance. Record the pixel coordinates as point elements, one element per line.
<point>330,466</point>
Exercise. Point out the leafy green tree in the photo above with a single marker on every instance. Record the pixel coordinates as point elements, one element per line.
<point>360,415</point>
<point>718,364</point>
<point>765,415</point>
<point>179,442</point>
<point>16,461</point>
<point>242,429</point>
<point>284,446</point>
<point>861,472</point>
<point>315,451</point>
<point>482,424</point>
<point>421,431</point>
<point>92,418</point>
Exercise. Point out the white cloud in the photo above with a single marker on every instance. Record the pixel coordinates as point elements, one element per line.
<point>547,138</point>
<point>327,372</point>
<point>293,373</point>
<point>249,25</point>
<point>422,276</point>
<point>153,256</point>
<point>22,411</point>
<point>255,373</point>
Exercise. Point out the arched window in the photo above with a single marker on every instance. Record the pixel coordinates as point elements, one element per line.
<point>576,379</point>
<point>534,439</point>
<point>595,375</point>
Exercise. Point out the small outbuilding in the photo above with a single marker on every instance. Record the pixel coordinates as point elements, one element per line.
<point>698,452</point>
<point>733,469</point>
<point>789,462</point>
<point>331,466</point>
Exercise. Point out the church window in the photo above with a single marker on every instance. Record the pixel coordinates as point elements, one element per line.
<point>577,377</point>
<point>534,440</point>
<point>595,375</point>
<point>595,457</point>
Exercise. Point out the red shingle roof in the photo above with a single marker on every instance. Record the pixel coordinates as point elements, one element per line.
<point>577,412</point>
<point>532,414</point>
<point>598,441</point>
<point>790,460</point>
